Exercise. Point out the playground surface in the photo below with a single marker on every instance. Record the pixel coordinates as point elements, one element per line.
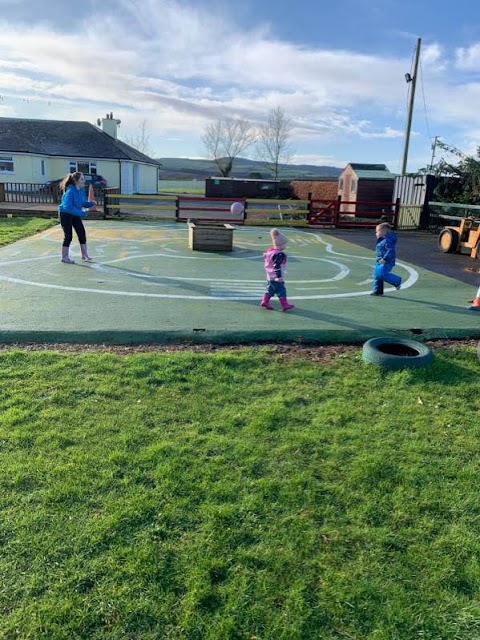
<point>146,286</point>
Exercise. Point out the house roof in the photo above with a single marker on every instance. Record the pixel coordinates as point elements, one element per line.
<point>64,138</point>
<point>372,171</point>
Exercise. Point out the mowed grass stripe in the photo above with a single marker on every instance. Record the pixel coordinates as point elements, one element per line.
<point>238,495</point>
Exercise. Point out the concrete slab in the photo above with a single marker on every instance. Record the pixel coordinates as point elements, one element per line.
<point>146,285</point>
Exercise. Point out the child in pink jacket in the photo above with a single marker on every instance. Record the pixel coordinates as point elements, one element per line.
<point>275,262</point>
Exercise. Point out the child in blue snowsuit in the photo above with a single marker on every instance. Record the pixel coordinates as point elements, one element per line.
<point>385,250</point>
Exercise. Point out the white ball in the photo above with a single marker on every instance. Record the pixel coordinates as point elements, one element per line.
<point>236,209</point>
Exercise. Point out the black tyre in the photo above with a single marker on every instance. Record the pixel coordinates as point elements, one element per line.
<point>396,353</point>
<point>448,240</point>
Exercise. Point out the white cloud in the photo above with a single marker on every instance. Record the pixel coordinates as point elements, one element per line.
<point>432,55</point>
<point>177,65</point>
<point>468,58</point>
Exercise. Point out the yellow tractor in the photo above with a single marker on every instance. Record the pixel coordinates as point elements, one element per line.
<point>465,236</point>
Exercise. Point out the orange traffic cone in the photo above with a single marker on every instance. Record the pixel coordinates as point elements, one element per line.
<point>91,196</point>
<point>476,303</point>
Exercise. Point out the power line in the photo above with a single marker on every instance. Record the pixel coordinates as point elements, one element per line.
<point>424,102</point>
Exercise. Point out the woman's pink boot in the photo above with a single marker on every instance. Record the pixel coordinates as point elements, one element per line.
<point>65,257</point>
<point>85,256</point>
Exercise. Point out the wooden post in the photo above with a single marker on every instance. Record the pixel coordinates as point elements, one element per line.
<point>336,215</point>
<point>2,192</point>
<point>309,208</point>
<point>396,213</point>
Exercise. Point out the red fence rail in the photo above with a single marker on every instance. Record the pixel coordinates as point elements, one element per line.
<point>208,209</point>
<point>343,214</point>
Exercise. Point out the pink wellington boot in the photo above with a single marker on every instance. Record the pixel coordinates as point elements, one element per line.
<point>65,257</point>
<point>285,305</point>
<point>265,303</point>
<point>85,256</point>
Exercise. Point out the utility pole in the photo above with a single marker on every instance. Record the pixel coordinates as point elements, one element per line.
<point>413,80</point>
<point>434,147</point>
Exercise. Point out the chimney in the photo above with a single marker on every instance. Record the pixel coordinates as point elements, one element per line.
<point>110,124</point>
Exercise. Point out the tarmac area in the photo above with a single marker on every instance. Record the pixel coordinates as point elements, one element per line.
<point>146,286</point>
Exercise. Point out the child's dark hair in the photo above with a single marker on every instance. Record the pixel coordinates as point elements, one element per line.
<point>71,178</point>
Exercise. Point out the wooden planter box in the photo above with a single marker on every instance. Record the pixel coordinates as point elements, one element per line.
<point>210,236</point>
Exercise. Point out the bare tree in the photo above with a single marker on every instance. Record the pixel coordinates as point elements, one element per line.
<point>226,139</point>
<point>140,140</point>
<point>273,148</point>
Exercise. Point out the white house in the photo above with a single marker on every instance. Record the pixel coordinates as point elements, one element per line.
<point>36,151</point>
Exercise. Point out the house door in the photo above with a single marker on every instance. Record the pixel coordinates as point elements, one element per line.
<point>136,178</point>
<point>125,178</point>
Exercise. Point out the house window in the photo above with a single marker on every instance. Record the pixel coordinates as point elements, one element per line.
<point>353,188</point>
<point>42,167</point>
<point>84,167</point>
<point>340,184</point>
<point>6,164</point>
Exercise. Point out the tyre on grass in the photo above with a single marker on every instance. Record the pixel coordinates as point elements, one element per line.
<point>396,353</point>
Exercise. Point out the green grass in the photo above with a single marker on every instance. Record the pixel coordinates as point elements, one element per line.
<point>191,190</point>
<point>238,495</point>
<point>12,229</point>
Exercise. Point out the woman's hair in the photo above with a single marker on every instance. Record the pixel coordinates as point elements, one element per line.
<point>71,178</point>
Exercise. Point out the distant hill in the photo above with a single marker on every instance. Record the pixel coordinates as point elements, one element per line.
<point>189,169</point>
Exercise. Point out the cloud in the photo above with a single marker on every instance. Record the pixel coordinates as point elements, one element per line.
<point>131,58</point>
<point>178,65</point>
<point>432,54</point>
<point>468,58</point>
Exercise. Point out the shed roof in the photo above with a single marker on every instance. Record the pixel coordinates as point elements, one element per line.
<point>64,138</point>
<point>372,171</point>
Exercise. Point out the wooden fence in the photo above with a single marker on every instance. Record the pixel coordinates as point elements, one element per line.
<point>24,192</point>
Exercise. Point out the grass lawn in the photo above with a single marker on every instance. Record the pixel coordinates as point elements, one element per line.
<point>12,229</point>
<point>238,495</point>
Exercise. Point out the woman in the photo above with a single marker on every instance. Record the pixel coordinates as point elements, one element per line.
<point>71,213</point>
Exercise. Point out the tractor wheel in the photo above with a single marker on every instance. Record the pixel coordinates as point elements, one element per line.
<point>396,353</point>
<point>448,240</point>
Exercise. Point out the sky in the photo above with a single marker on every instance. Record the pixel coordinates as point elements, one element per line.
<point>337,69</point>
